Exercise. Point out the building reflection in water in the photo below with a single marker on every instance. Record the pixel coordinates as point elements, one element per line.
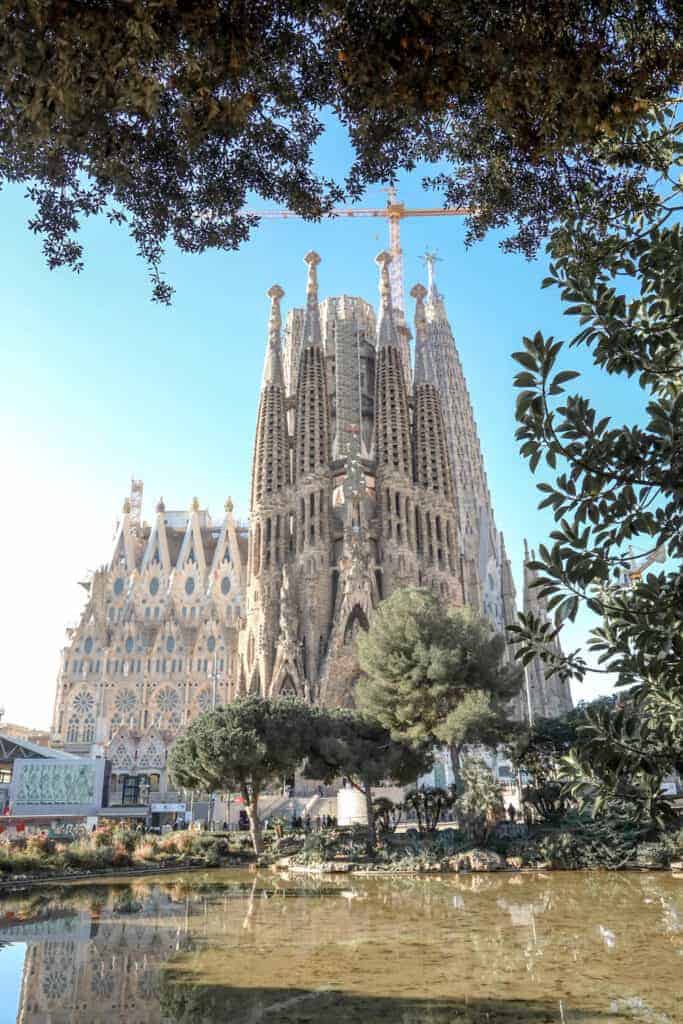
<point>472,950</point>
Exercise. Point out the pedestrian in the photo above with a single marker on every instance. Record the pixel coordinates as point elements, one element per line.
<point>317,822</point>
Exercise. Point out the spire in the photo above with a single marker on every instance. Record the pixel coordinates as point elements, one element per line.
<point>312,423</point>
<point>432,460</point>
<point>418,293</point>
<point>434,296</point>
<point>386,331</point>
<point>272,367</point>
<point>507,585</point>
<point>393,441</point>
<point>312,335</point>
<point>270,472</point>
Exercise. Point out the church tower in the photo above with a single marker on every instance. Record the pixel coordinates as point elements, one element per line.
<point>479,539</point>
<point>393,446</point>
<point>436,526</point>
<point>312,485</point>
<point>367,475</point>
<point>269,518</point>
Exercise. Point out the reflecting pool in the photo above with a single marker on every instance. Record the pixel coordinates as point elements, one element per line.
<point>232,946</point>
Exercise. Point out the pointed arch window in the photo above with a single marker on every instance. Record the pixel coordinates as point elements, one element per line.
<point>356,621</point>
<point>288,689</point>
<point>72,730</point>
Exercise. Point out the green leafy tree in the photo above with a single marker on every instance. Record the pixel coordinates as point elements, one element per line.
<point>429,804</point>
<point>363,751</point>
<point>243,747</point>
<point>539,750</point>
<point>167,116</point>
<point>480,804</point>
<point>387,813</point>
<point>620,759</point>
<point>610,485</point>
<point>435,674</point>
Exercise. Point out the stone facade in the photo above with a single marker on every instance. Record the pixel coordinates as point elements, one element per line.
<point>366,476</point>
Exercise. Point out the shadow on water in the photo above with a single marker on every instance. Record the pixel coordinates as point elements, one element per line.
<point>182,1003</point>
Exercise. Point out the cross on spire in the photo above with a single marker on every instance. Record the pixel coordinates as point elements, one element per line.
<point>429,259</point>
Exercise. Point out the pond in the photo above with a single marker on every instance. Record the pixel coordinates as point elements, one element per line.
<point>589,947</point>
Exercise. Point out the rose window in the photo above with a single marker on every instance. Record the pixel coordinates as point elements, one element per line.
<point>167,700</point>
<point>125,702</point>
<point>204,700</point>
<point>84,703</point>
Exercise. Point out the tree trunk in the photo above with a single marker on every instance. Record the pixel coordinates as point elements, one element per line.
<point>372,832</point>
<point>454,750</point>
<point>251,804</point>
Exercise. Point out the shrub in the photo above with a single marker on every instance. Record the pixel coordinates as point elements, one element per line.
<point>40,844</point>
<point>103,836</point>
<point>147,851</point>
<point>121,857</point>
<point>127,838</point>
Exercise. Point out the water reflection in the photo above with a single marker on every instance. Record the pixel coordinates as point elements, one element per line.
<point>468,950</point>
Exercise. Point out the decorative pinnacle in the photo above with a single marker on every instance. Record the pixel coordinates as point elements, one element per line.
<point>312,318</point>
<point>275,293</point>
<point>418,292</point>
<point>160,505</point>
<point>383,259</point>
<point>229,505</point>
<point>195,505</point>
<point>312,259</point>
<point>126,506</point>
<point>272,368</point>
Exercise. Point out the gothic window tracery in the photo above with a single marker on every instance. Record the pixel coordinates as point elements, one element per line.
<point>125,703</point>
<point>151,754</point>
<point>72,729</point>
<point>167,699</point>
<point>121,755</point>
<point>204,700</point>
<point>83,703</point>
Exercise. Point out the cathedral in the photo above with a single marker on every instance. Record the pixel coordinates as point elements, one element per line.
<point>367,475</point>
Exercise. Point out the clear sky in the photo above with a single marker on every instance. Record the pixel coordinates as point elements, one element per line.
<point>100,384</point>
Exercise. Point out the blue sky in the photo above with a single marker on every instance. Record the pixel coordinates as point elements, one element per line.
<point>100,384</point>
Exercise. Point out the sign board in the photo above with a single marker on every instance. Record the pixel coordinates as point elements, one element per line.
<point>168,808</point>
<point>43,787</point>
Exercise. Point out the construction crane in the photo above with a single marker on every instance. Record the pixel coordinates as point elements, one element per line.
<point>395,211</point>
<point>630,576</point>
